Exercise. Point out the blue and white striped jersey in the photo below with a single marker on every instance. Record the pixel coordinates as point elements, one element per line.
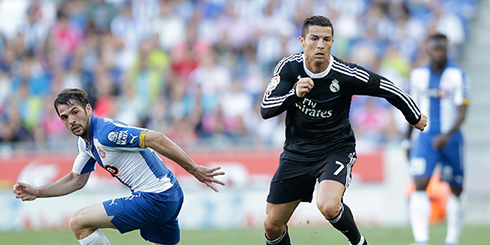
<point>438,95</point>
<point>120,150</point>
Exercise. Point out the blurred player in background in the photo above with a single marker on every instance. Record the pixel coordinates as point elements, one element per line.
<point>316,88</point>
<point>441,90</point>
<point>128,153</point>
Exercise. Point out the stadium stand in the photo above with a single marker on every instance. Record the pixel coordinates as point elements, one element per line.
<point>173,65</point>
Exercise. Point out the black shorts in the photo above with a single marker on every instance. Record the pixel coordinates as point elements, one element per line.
<point>296,180</point>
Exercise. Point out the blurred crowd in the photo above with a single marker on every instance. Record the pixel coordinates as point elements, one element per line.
<point>196,70</point>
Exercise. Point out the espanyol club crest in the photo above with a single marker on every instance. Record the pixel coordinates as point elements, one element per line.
<point>335,87</point>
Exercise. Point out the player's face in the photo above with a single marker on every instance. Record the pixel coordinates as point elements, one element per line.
<point>76,118</point>
<point>437,51</point>
<point>317,45</point>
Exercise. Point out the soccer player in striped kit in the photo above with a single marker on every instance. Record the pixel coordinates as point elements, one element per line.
<point>130,155</point>
<point>441,90</point>
<point>316,89</point>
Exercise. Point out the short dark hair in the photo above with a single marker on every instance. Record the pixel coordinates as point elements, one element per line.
<point>66,95</point>
<point>438,41</point>
<point>438,37</point>
<point>315,20</point>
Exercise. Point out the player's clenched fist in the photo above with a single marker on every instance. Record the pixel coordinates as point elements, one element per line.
<point>304,86</point>
<point>422,123</point>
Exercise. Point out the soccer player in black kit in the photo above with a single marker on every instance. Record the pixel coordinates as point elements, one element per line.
<point>316,88</point>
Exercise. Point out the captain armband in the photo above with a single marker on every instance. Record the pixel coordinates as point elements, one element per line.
<point>142,139</point>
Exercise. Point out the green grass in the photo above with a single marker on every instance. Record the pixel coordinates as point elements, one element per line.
<point>307,235</point>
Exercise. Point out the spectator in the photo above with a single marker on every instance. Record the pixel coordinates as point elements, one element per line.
<point>34,30</point>
<point>100,13</point>
<point>124,28</point>
<point>168,25</point>
<point>66,37</point>
<point>213,79</point>
<point>189,53</point>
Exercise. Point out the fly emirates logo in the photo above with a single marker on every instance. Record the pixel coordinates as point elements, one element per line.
<point>308,108</point>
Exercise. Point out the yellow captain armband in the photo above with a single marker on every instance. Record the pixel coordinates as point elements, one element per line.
<point>142,139</point>
<point>466,101</point>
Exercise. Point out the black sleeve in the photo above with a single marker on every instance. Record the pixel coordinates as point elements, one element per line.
<point>280,93</point>
<point>380,86</point>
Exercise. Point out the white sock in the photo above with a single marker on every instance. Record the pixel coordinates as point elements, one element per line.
<point>96,238</point>
<point>419,207</point>
<point>454,214</point>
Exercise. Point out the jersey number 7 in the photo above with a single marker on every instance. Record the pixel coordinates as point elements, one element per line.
<point>341,166</point>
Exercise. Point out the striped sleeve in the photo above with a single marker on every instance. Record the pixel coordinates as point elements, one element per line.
<point>399,97</point>
<point>462,95</point>
<point>117,134</point>
<point>370,83</point>
<point>84,163</point>
<point>280,93</point>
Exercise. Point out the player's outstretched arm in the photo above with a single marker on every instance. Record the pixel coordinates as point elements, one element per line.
<point>165,146</point>
<point>422,122</point>
<point>67,184</point>
<point>25,192</point>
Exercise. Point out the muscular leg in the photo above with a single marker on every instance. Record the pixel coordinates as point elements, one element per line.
<point>329,201</point>
<point>419,206</point>
<point>278,216</point>
<point>87,220</point>
<point>329,198</point>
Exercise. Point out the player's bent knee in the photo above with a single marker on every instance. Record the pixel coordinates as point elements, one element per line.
<point>78,226</point>
<point>76,221</point>
<point>330,210</point>
<point>273,228</point>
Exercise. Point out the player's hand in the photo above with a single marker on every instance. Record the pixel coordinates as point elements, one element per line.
<point>304,86</point>
<point>422,123</point>
<point>440,141</point>
<point>207,176</point>
<point>25,192</point>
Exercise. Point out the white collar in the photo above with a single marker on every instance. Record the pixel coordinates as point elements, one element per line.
<point>317,75</point>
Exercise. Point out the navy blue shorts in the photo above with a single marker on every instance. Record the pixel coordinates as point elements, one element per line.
<point>154,214</point>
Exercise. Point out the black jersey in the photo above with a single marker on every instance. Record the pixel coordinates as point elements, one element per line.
<point>319,123</point>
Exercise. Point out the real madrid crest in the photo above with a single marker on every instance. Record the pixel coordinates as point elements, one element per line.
<point>335,87</point>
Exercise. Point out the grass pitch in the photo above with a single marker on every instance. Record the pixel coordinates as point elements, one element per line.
<point>307,235</point>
